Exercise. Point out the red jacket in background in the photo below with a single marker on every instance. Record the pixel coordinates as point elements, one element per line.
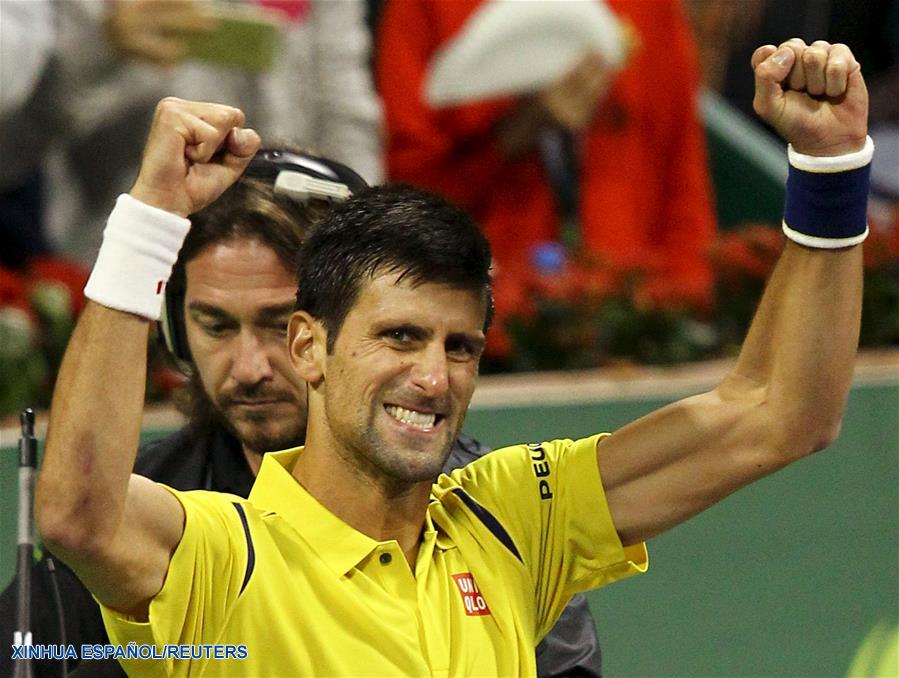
<point>645,193</point>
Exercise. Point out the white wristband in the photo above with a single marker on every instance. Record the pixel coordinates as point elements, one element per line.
<point>140,246</point>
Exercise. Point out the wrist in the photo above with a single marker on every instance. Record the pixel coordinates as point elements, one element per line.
<point>858,154</point>
<point>841,147</point>
<point>826,199</point>
<point>160,200</point>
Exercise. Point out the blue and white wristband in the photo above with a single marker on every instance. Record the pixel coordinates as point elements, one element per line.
<point>827,198</point>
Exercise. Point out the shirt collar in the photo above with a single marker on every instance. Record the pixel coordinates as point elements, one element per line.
<point>340,546</point>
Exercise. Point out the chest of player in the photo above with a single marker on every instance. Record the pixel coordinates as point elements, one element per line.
<point>454,615</point>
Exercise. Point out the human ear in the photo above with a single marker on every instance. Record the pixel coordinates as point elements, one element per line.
<point>306,346</point>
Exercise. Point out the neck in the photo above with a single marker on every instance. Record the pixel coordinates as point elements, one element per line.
<point>380,508</point>
<point>254,459</point>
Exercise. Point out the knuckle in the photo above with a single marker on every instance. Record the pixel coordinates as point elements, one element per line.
<point>835,66</point>
<point>794,43</point>
<point>813,56</point>
<point>224,115</point>
<point>169,104</point>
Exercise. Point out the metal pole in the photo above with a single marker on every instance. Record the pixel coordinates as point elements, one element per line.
<point>27,465</point>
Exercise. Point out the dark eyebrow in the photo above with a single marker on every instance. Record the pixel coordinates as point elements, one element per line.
<point>275,312</point>
<point>267,314</point>
<point>388,324</point>
<point>201,307</point>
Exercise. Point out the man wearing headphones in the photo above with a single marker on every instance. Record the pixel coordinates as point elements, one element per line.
<point>225,320</point>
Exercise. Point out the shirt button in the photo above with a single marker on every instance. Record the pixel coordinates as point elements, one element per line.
<point>385,558</point>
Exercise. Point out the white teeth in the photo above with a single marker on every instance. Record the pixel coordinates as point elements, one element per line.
<point>411,417</point>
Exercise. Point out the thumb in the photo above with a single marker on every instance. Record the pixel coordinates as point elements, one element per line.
<point>243,142</point>
<point>772,67</point>
<point>240,147</point>
<point>855,86</point>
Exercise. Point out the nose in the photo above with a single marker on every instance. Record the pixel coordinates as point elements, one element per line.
<point>430,372</point>
<point>251,364</point>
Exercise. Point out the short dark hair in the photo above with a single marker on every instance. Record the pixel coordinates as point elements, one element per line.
<point>397,228</point>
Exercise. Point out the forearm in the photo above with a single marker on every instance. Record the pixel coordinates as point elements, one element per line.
<point>96,414</point>
<point>94,429</point>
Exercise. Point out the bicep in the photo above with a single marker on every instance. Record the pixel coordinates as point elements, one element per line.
<point>126,573</point>
<point>677,461</point>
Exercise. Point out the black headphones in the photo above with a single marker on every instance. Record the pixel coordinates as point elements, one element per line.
<point>299,176</point>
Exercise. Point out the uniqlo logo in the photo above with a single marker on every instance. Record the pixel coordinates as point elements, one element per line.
<point>472,599</point>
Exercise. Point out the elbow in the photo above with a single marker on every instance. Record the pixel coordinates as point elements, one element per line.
<point>826,435</point>
<point>65,527</point>
<point>797,441</point>
<point>59,530</point>
<point>54,534</point>
<point>821,430</point>
<point>69,539</point>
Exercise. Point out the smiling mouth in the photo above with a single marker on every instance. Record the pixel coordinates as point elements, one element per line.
<point>425,421</point>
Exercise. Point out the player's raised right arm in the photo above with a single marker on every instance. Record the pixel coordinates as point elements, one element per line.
<point>118,531</point>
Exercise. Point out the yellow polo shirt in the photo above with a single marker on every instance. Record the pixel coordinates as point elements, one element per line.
<point>507,541</point>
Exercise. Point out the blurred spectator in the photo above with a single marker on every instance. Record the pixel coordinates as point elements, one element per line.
<point>27,34</point>
<point>643,197</point>
<point>113,60</point>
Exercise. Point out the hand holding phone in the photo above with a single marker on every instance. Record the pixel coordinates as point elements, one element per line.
<point>245,37</point>
<point>167,32</point>
<point>153,30</point>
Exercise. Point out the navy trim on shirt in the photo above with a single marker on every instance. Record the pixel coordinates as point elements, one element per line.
<point>489,520</point>
<point>251,552</point>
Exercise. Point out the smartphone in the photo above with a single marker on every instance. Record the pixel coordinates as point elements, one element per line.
<point>247,37</point>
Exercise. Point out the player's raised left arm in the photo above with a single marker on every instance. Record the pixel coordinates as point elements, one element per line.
<point>785,397</point>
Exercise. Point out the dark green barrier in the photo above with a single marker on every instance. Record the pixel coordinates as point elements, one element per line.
<point>783,579</point>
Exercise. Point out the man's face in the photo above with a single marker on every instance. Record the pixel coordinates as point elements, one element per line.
<point>238,301</point>
<point>401,375</point>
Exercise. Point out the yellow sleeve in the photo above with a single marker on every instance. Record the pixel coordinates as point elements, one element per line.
<point>205,577</point>
<point>549,498</point>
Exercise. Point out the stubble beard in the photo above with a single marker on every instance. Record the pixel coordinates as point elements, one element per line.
<point>206,412</point>
<point>260,432</point>
<point>395,469</point>
<point>261,435</point>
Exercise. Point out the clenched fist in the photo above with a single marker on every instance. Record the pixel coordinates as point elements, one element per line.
<point>194,152</point>
<point>813,95</point>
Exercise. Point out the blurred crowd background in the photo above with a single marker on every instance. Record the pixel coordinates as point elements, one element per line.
<point>633,207</point>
